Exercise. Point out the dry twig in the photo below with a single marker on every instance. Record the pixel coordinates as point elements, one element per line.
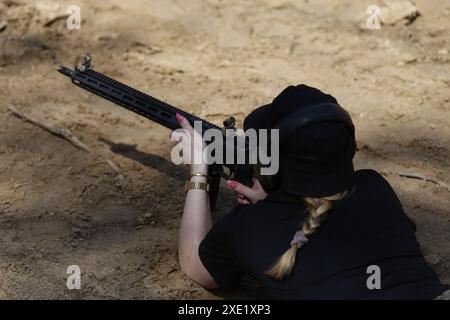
<point>65,134</point>
<point>425,178</point>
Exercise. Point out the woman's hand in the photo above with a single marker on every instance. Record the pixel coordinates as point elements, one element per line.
<point>246,195</point>
<point>192,145</point>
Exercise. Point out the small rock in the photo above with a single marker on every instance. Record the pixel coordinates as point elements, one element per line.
<point>3,25</point>
<point>120,180</point>
<point>224,63</point>
<point>146,48</point>
<point>398,11</point>
<point>76,230</point>
<point>407,59</point>
<point>3,295</point>
<point>37,255</point>
<point>277,4</point>
<point>444,296</point>
<point>108,36</point>
<point>433,259</point>
<point>444,80</point>
<point>52,17</point>
<point>50,13</point>
<point>442,51</point>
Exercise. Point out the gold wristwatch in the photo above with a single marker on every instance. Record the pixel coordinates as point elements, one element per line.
<point>196,185</point>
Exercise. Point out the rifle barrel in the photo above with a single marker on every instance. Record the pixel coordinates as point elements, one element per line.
<point>130,98</point>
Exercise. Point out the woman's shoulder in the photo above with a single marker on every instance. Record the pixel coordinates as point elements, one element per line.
<point>372,178</point>
<point>373,185</point>
<point>368,174</point>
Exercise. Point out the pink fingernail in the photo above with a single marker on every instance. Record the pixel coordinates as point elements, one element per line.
<point>232,184</point>
<point>179,117</point>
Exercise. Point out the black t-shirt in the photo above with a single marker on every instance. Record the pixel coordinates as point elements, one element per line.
<point>369,227</point>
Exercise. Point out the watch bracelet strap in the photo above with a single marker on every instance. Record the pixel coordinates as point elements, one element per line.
<point>196,185</point>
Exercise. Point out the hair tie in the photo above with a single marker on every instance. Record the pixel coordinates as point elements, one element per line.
<point>299,239</point>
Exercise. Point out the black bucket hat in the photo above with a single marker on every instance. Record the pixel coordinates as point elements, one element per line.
<point>317,141</point>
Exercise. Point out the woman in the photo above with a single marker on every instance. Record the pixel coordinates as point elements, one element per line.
<point>324,231</point>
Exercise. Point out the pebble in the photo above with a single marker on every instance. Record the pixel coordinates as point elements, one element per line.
<point>398,10</point>
<point>3,25</point>
<point>107,36</point>
<point>433,259</point>
<point>148,215</point>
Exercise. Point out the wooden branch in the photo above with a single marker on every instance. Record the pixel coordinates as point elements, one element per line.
<point>425,178</point>
<point>63,133</point>
<point>67,135</point>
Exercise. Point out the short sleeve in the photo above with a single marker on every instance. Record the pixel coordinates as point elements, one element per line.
<point>217,253</point>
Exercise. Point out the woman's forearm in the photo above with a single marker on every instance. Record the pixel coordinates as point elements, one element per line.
<point>196,219</point>
<point>195,224</point>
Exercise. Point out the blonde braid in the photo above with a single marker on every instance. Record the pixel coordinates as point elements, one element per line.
<point>317,213</point>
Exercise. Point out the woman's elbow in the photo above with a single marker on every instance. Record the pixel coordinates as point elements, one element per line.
<point>198,274</point>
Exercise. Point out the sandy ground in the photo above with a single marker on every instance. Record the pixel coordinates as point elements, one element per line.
<point>60,205</point>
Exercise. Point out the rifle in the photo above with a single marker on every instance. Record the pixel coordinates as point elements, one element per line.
<point>158,111</point>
